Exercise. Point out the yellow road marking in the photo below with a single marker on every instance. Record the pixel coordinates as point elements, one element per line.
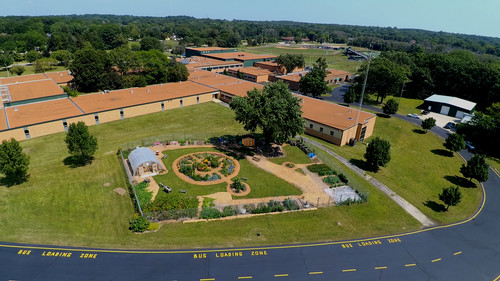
<point>381,267</point>
<point>496,279</point>
<point>208,279</point>
<point>349,270</point>
<point>410,264</point>
<point>436,260</point>
<point>245,277</point>
<point>457,253</point>
<point>317,272</point>
<point>280,275</point>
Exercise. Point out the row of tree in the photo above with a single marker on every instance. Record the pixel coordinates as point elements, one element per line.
<point>108,32</point>
<point>459,74</point>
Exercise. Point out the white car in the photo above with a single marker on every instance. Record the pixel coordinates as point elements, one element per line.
<point>413,115</point>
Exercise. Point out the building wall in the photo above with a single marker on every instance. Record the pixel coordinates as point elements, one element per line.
<point>141,109</point>
<point>18,134</point>
<point>87,119</point>
<point>326,134</point>
<point>108,116</point>
<point>46,129</point>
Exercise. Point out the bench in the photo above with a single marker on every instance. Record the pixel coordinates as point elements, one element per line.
<point>245,179</point>
<point>256,159</point>
<point>183,191</point>
<point>166,188</point>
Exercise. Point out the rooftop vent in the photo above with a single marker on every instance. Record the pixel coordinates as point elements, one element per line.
<point>147,90</point>
<point>15,108</point>
<point>131,91</point>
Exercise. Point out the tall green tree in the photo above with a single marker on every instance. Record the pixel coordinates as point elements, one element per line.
<point>123,59</point>
<point>88,68</point>
<point>454,143</point>
<point>390,107</point>
<point>151,43</point>
<point>428,124</point>
<point>17,69</point>
<point>291,61</point>
<point>274,110</point>
<point>62,56</point>
<point>32,56</point>
<point>14,163</point>
<point>451,196</point>
<point>476,168</point>
<point>81,144</point>
<point>5,60</point>
<point>176,72</point>
<point>313,83</point>
<point>378,154</point>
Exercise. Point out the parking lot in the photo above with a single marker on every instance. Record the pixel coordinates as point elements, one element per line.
<point>441,120</point>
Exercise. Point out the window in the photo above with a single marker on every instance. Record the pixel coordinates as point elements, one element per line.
<point>65,125</point>
<point>331,133</point>
<point>321,129</point>
<point>27,133</point>
<point>122,116</point>
<point>162,106</point>
<point>311,126</point>
<point>197,99</point>
<point>96,117</point>
<point>181,102</point>
<point>362,135</point>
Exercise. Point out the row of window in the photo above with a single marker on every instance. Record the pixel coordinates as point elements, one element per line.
<point>311,126</point>
<point>96,117</point>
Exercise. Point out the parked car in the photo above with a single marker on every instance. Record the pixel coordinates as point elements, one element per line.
<point>450,125</point>
<point>413,115</point>
<point>425,112</point>
<point>469,145</point>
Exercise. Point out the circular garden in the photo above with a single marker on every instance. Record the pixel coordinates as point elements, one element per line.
<point>206,168</point>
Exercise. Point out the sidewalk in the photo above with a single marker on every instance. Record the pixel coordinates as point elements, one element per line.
<point>409,208</point>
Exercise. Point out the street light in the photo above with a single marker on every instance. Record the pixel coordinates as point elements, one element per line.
<point>364,87</point>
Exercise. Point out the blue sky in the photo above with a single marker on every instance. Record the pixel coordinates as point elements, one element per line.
<point>457,16</point>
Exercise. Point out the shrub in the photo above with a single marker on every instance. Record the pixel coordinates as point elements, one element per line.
<point>208,202</point>
<point>210,213</point>
<point>139,224</point>
<point>290,204</point>
<point>153,226</point>
<point>143,195</point>
<point>172,202</point>
<point>331,180</point>
<point>182,142</point>
<point>320,169</point>
<point>238,185</point>
<point>229,211</point>
<point>290,165</point>
<point>275,206</point>
<point>261,209</point>
<point>343,178</point>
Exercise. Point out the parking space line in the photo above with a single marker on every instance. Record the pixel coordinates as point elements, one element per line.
<point>349,270</point>
<point>281,275</point>
<point>457,253</point>
<point>436,260</point>
<point>410,264</point>
<point>316,272</point>
<point>245,277</point>
<point>381,267</point>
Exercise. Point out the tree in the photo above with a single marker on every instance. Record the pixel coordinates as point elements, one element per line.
<point>151,43</point>
<point>378,153</point>
<point>291,61</point>
<point>350,96</point>
<point>390,107</point>
<point>88,67</point>
<point>476,168</point>
<point>274,110</point>
<point>313,83</point>
<point>62,56</point>
<point>454,143</point>
<point>17,69</point>
<point>5,60</point>
<point>124,59</point>
<point>14,163</point>
<point>32,56</point>
<point>177,71</point>
<point>451,196</point>
<point>80,142</point>
<point>428,124</point>
<point>44,64</point>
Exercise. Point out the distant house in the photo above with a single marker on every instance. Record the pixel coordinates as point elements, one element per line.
<point>450,106</point>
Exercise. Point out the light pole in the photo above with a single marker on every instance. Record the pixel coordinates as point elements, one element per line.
<point>364,87</point>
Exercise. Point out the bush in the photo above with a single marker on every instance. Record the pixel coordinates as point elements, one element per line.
<point>153,226</point>
<point>275,206</point>
<point>139,224</point>
<point>229,211</point>
<point>290,165</point>
<point>172,202</point>
<point>208,202</point>
<point>238,185</point>
<point>210,213</point>
<point>331,180</point>
<point>343,178</point>
<point>290,204</point>
<point>321,169</point>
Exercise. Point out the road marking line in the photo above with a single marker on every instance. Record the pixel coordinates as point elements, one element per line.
<point>281,275</point>
<point>436,260</point>
<point>245,277</point>
<point>316,272</point>
<point>410,264</point>
<point>381,267</point>
<point>207,279</point>
<point>457,253</point>
<point>349,270</point>
<point>496,279</point>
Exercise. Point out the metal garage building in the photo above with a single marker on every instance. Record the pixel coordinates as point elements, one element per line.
<point>450,106</point>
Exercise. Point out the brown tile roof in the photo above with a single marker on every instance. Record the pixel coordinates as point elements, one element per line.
<point>239,56</point>
<point>35,89</point>
<point>23,78</point>
<point>210,78</point>
<point>201,49</point>
<point>336,72</point>
<point>60,76</point>
<point>98,102</point>
<point>3,122</point>
<point>239,89</point>
<point>196,61</point>
<point>331,114</point>
<point>295,77</point>
<point>33,113</point>
<point>270,63</point>
<point>255,71</point>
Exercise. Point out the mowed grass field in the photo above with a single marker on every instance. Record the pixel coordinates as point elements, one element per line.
<point>334,58</point>
<point>29,69</point>
<point>60,205</point>
<point>418,171</point>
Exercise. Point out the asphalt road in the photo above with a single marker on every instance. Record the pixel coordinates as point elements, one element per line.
<point>468,250</point>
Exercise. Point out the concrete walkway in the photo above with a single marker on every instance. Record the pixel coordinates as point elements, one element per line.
<point>412,210</point>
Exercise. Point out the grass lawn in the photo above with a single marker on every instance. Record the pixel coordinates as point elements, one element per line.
<point>334,59</point>
<point>292,154</point>
<point>406,106</point>
<point>60,205</point>
<point>30,69</point>
<point>418,171</point>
